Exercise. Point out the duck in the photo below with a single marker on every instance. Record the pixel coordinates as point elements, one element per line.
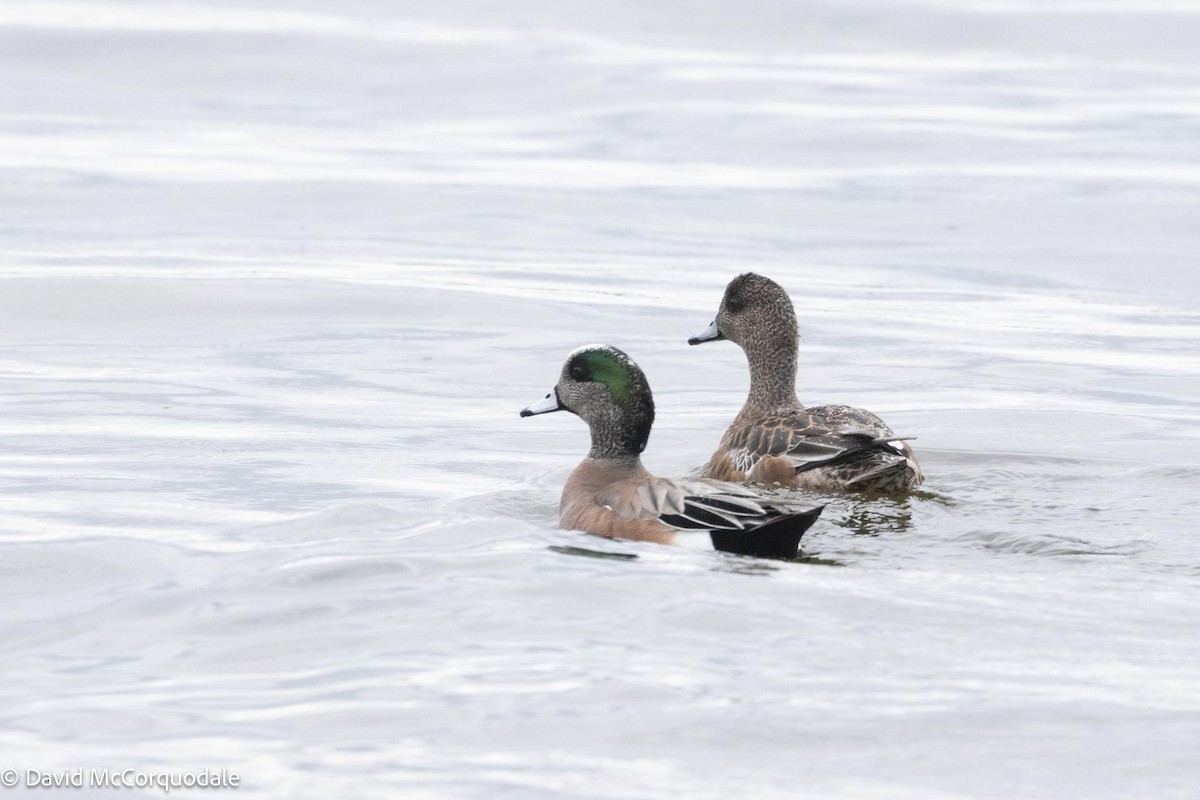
<point>611,494</point>
<point>776,440</point>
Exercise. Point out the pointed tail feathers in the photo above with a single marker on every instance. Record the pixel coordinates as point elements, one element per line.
<point>779,538</point>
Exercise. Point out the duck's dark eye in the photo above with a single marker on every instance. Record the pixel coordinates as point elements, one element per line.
<point>578,372</point>
<point>733,304</point>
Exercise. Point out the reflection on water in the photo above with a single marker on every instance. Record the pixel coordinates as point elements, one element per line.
<point>745,565</point>
<point>873,517</point>
<point>586,553</point>
<point>817,561</point>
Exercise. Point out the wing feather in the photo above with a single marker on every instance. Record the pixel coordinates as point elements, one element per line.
<point>811,438</point>
<point>719,510</point>
<point>694,504</point>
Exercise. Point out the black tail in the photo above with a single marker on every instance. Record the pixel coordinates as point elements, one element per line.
<point>779,538</point>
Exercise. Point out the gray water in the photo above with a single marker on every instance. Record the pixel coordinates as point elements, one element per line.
<point>275,279</point>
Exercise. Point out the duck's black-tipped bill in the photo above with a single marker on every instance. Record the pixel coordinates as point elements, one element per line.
<point>544,406</point>
<point>709,334</point>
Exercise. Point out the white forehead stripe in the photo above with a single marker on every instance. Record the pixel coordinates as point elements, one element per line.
<point>601,348</point>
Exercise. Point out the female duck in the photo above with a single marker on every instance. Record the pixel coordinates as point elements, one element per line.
<point>774,438</point>
<point>611,494</point>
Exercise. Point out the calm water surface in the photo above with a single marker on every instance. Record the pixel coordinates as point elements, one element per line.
<point>276,278</point>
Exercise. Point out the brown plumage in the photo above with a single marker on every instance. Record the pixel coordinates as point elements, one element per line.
<point>611,494</point>
<point>774,439</point>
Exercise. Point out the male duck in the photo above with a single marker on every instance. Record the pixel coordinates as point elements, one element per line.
<point>775,439</point>
<point>611,494</point>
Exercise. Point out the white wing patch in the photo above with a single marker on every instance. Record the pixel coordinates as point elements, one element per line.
<point>695,505</point>
<point>707,510</point>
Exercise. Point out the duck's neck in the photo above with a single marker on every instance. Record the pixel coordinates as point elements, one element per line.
<point>618,442</point>
<point>621,466</point>
<point>772,362</point>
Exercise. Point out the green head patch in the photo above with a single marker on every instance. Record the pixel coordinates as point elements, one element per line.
<point>627,388</point>
<point>610,367</point>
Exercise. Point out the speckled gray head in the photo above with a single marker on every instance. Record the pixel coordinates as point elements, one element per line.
<point>604,387</point>
<point>754,309</point>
